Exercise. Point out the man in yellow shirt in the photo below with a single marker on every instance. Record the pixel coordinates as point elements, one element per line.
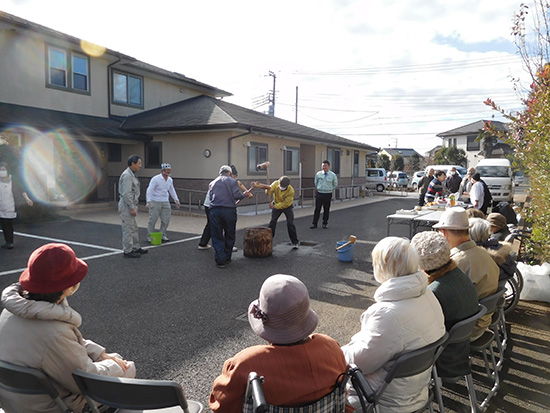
<point>283,198</point>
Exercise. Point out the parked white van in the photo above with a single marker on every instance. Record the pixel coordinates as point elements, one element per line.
<point>376,178</point>
<point>446,168</point>
<point>497,174</point>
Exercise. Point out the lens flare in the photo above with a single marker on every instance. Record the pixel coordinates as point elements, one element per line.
<point>57,168</point>
<point>92,49</point>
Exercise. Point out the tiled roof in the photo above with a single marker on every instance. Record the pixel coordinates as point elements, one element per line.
<point>405,152</point>
<point>473,128</point>
<point>45,120</point>
<point>206,113</point>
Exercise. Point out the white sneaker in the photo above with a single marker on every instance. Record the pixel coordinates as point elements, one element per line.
<point>235,249</point>
<point>165,238</point>
<point>205,247</point>
<point>149,240</point>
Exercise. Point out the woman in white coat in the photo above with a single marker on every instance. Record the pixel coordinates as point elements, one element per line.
<point>406,316</point>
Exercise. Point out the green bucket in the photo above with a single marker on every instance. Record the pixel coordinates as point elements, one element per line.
<point>156,238</point>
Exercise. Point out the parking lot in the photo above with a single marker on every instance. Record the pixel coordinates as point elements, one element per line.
<point>179,317</point>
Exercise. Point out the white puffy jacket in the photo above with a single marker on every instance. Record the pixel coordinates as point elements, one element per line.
<point>45,336</point>
<point>406,316</point>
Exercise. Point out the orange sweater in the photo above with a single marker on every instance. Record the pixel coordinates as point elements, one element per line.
<point>294,375</point>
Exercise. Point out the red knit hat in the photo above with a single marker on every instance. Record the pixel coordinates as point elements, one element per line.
<point>52,268</point>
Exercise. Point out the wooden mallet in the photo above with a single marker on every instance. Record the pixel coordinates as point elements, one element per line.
<point>352,239</point>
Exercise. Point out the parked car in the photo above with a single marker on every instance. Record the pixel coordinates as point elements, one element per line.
<point>417,176</point>
<point>398,179</point>
<point>497,174</point>
<point>376,179</point>
<point>518,178</point>
<point>460,169</point>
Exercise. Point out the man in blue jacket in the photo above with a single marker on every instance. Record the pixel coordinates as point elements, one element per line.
<point>224,194</point>
<point>326,181</point>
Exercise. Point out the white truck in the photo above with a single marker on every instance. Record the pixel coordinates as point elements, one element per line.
<point>497,174</point>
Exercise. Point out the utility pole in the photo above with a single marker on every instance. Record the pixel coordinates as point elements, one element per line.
<point>296,106</point>
<point>272,99</point>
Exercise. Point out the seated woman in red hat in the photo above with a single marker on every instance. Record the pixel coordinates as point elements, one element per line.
<point>299,367</point>
<point>38,329</point>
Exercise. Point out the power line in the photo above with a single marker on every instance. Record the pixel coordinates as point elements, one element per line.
<point>425,67</point>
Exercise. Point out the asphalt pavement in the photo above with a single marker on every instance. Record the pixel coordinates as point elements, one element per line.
<point>180,317</point>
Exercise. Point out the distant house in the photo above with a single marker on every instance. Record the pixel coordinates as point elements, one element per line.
<point>465,136</point>
<point>76,108</point>
<point>406,153</point>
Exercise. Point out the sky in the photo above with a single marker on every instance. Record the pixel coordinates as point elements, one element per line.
<point>389,74</point>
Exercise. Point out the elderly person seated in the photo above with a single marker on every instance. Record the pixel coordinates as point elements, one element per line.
<point>38,329</point>
<point>500,252</point>
<point>405,316</point>
<point>299,367</point>
<point>454,291</point>
<point>472,259</point>
<point>499,226</point>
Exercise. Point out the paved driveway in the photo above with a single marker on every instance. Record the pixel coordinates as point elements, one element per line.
<point>177,315</point>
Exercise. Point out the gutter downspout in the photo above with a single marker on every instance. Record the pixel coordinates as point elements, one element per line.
<point>229,143</point>
<point>109,85</point>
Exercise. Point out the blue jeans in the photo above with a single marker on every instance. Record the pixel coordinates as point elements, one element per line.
<point>223,223</point>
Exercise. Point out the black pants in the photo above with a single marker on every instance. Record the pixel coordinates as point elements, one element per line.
<point>205,237</point>
<point>322,200</point>
<point>7,229</point>
<point>289,214</point>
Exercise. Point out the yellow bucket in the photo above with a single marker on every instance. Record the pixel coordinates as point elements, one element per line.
<point>156,238</point>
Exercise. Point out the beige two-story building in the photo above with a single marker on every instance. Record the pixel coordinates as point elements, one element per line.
<point>75,111</point>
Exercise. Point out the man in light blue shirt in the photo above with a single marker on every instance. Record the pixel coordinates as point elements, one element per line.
<point>326,181</point>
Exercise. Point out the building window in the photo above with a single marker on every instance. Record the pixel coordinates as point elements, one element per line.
<point>355,163</point>
<point>334,159</point>
<point>257,154</point>
<point>471,144</point>
<point>291,160</point>
<point>153,154</point>
<point>127,89</point>
<point>114,152</point>
<point>68,70</point>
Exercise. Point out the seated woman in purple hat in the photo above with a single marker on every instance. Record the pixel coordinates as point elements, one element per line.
<point>405,316</point>
<point>38,329</point>
<point>299,367</point>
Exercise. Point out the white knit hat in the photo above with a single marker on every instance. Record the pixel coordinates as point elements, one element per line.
<point>225,169</point>
<point>432,248</point>
<point>453,218</point>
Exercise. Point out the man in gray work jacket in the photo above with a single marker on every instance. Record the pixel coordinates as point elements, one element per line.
<point>128,189</point>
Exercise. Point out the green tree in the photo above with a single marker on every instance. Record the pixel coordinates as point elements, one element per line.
<point>530,128</point>
<point>415,162</point>
<point>450,155</point>
<point>397,163</point>
<point>383,162</point>
<point>487,141</point>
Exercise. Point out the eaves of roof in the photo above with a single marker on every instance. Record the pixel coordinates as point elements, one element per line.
<point>203,113</point>
<point>77,125</point>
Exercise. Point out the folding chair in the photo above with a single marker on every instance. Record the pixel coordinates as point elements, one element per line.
<point>134,395</point>
<point>254,400</point>
<point>26,380</point>
<point>484,345</point>
<point>458,333</point>
<point>406,364</point>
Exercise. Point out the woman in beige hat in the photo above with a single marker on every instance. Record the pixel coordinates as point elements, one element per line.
<point>38,329</point>
<point>405,316</point>
<point>299,367</point>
